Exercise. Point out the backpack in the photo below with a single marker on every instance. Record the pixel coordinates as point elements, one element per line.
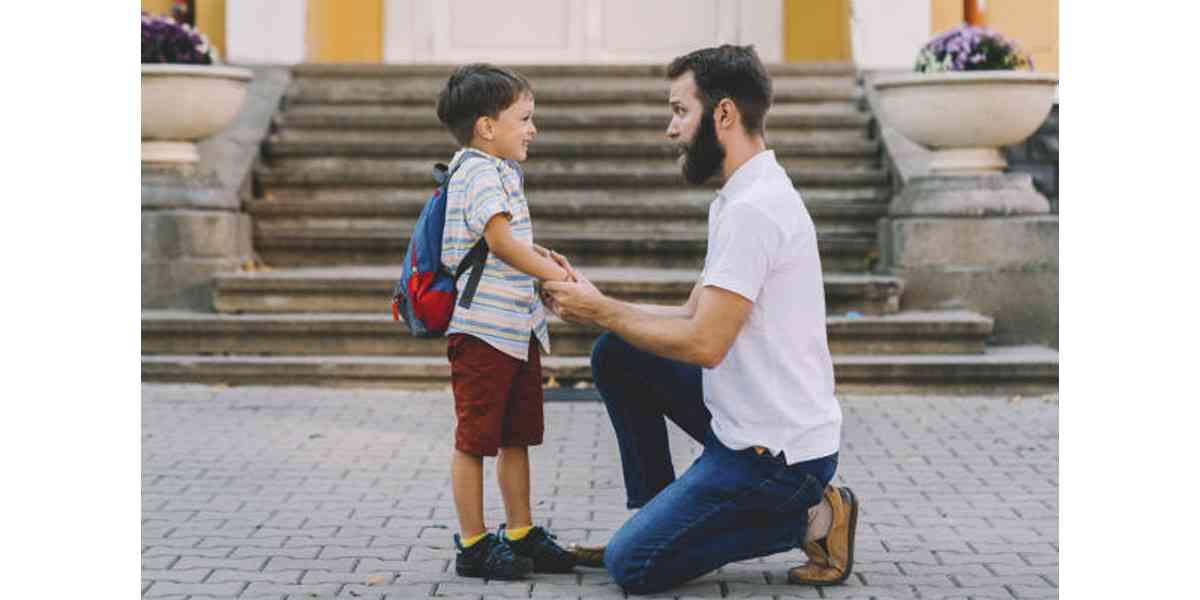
<point>424,296</point>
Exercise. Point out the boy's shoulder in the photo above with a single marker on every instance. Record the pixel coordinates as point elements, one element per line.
<point>472,165</point>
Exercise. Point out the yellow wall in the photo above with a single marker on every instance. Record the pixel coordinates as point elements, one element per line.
<point>210,20</point>
<point>157,8</point>
<point>1032,24</point>
<point>816,30</point>
<point>345,31</point>
<point>945,14</point>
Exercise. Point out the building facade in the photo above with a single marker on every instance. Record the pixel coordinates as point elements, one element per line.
<point>874,34</point>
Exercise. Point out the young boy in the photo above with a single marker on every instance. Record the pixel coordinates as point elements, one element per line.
<point>494,346</point>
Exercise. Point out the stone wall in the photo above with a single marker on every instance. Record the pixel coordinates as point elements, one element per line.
<point>1038,156</point>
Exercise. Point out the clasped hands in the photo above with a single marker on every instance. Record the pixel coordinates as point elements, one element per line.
<point>575,299</point>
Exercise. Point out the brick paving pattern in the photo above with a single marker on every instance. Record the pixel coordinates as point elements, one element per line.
<point>306,493</point>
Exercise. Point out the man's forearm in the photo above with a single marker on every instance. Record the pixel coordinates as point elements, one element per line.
<point>659,310</point>
<point>667,331</point>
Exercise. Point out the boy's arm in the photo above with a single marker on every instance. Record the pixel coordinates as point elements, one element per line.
<point>517,254</point>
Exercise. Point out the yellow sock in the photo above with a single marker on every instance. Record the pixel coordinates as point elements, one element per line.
<point>518,533</point>
<point>471,542</point>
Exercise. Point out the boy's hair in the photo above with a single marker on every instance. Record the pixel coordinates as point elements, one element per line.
<point>477,90</point>
<point>733,72</point>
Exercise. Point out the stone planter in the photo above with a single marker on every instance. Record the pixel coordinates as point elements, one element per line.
<point>965,118</point>
<point>185,103</point>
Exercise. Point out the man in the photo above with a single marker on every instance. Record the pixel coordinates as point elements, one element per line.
<point>743,367</point>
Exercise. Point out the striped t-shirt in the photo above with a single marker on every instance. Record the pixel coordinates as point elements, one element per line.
<point>506,309</point>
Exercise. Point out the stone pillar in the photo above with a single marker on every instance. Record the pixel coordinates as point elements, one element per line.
<point>981,242</point>
<point>192,229</point>
<point>193,225</point>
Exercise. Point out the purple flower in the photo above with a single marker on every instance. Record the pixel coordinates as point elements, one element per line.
<point>165,41</point>
<point>967,48</point>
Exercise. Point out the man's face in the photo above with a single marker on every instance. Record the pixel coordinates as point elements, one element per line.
<point>693,131</point>
<point>514,130</point>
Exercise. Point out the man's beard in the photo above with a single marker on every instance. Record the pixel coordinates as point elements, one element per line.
<point>702,157</point>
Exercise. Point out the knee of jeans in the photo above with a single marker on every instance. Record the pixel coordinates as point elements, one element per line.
<point>624,570</point>
<point>607,349</point>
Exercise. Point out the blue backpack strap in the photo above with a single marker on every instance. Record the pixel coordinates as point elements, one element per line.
<point>477,257</point>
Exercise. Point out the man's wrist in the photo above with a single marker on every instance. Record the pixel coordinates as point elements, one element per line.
<point>608,313</point>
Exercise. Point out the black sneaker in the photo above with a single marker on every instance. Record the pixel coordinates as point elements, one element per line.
<point>539,545</point>
<point>490,558</point>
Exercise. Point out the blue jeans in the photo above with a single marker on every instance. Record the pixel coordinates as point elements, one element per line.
<point>729,505</point>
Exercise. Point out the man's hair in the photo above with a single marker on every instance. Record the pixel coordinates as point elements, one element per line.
<point>733,72</point>
<point>477,90</point>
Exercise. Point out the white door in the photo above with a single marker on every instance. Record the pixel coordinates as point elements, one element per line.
<point>575,31</point>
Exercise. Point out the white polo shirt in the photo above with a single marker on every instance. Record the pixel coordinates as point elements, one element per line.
<point>775,387</point>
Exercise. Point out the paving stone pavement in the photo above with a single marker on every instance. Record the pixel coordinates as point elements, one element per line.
<point>309,493</point>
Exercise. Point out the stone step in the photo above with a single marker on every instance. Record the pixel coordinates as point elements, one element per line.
<point>590,71</point>
<point>434,145</point>
<point>652,117</point>
<point>423,90</point>
<point>1003,370</point>
<point>600,242</point>
<point>176,332</point>
<point>368,289</point>
<point>825,205</point>
<point>585,173</point>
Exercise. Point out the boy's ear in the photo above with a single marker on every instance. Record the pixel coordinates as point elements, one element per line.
<point>485,128</point>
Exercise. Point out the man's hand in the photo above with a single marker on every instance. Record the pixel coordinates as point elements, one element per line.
<point>577,302</point>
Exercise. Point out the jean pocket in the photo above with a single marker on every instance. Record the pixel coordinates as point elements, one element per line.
<point>787,491</point>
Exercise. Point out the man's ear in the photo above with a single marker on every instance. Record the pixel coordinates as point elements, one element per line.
<point>726,114</point>
<point>485,128</point>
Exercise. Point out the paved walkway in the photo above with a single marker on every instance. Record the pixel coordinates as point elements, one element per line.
<point>311,493</point>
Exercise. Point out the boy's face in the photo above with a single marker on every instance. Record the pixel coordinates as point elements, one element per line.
<point>513,130</point>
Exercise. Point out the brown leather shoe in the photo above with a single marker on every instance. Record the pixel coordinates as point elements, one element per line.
<point>588,556</point>
<point>831,559</point>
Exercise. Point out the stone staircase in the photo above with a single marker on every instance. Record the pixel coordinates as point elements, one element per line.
<point>347,169</point>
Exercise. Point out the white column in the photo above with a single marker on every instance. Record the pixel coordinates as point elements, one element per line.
<point>265,31</point>
<point>761,24</point>
<point>887,34</point>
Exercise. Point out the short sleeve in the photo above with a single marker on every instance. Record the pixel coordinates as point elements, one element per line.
<point>485,197</point>
<point>742,250</point>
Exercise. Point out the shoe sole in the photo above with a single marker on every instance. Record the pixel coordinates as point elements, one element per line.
<point>476,574</point>
<point>588,557</point>
<point>852,500</point>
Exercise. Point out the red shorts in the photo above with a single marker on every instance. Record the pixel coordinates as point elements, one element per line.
<point>497,398</point>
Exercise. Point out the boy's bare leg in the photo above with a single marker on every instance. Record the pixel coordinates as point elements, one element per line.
<point>466,476</point>
<point>512,473</point>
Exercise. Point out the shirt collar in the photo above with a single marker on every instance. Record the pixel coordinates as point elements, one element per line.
<point>745,175</point>
<point>463,152</point>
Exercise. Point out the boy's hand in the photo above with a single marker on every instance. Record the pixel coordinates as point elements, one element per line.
<point>558,259</point>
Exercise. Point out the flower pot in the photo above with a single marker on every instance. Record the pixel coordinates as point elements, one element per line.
<point>185,103</point>
<point>964,118</point>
